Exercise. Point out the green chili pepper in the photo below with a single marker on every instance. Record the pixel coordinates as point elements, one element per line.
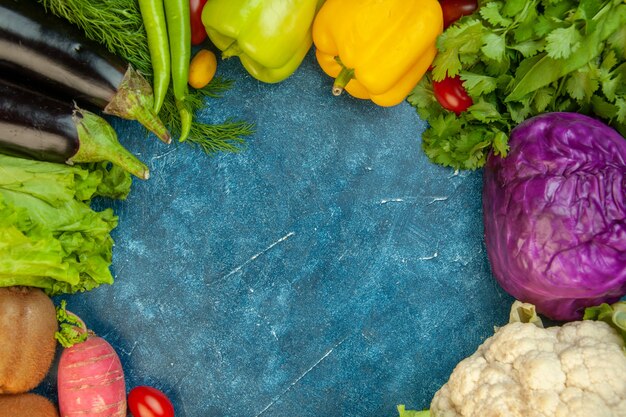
<point>153,18</point>
<point>178,20</point>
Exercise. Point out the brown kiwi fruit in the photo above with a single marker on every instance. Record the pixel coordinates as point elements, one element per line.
<point>27,344</point>
<point>26,405</point>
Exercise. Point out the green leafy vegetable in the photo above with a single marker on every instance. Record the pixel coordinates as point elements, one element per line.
<point>402,412</point>
<point>72,330</point>
<point>519,58</point>
<point>118,25</point>
<point>613,314</point>
<point>49,236</point>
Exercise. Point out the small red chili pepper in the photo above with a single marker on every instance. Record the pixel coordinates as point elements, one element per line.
<point>198,32</point>
<point>451,94</point>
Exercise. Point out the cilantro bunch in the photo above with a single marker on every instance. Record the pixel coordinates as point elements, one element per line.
<point>520,58</point>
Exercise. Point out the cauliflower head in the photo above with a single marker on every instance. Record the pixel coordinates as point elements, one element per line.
<point>576,370</point>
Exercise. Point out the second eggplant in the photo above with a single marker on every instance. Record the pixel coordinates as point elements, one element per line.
<point>39,127</point>
<point>42,50</point>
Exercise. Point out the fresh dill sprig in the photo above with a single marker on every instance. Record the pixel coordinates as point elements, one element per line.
<point>117,24</point>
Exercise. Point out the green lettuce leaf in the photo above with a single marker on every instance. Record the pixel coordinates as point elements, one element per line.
<point>50,237</point>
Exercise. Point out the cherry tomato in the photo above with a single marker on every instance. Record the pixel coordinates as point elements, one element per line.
<point>202,68</point>
<point>198,32</point>
<point>451,94</point>
<point>455,9</point>
<point>146,401</point>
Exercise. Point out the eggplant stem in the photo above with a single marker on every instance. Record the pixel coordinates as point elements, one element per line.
<point>134,100</point>
<point>98,142</point>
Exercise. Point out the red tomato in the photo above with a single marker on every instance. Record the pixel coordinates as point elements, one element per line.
<point>198,33</point>
<point>149,402</point>
<point>455,9</point>
<point>451,94</point>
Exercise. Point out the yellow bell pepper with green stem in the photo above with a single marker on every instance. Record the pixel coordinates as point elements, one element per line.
<point>377,49</point>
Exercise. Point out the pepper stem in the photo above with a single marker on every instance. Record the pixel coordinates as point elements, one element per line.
<point>134,100</point>
<point>98,142</point>
<point>342,80</point>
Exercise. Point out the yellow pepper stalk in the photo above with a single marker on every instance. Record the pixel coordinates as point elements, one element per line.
<point>377,49</point>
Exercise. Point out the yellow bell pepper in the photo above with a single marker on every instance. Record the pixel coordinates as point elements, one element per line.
<point>377,49</point>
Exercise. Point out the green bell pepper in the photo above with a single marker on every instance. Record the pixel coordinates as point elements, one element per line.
<point>270,37</point>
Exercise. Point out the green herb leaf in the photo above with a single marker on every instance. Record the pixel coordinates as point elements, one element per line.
<point>494,46</point>
<point>530,48</point>
<point>587,9</point>
<point>462,38</point>
<point>602,108</point>
<point>581,84</point>
<point>500,143</point>
<point>543,25</point>
<point>561,43</point>
<point>491,13</point>
<point>484,112</point>
<point>403,412</point>
<point>478,85</point>
<point>542,99</point>
<point>513,8</point>
<point>519,58</point>
<point>621,109</point>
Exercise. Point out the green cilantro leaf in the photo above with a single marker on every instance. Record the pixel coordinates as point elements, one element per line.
<point>491,13</point>
<point>560,43</point>
<point>609,60</point>
<point>618,41</point>
<point>530,47</point>
<point>543,25</point>
<point>484,112</point>
<point>542,99</point>
<point>581,84</point>
<point>513,8</point>
<point>500,143</point>
<point>621,109</point>
<point>559,11</point>
<point>525,21</point>
<point>477,85</point>
<point>519,110</point>
<point>462,38</point>
<point>422,95</point>
<point>493,46</point>
<point>587,9</point>
<point>602,108</point>
<point>519,58</point>
<point>610,85</point>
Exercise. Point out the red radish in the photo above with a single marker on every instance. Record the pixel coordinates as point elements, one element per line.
<point>90,377</point>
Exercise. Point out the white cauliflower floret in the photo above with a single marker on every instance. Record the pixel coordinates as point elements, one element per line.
<point>576,370</point>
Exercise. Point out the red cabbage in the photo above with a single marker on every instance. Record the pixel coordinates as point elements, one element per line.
<point>555,214</point>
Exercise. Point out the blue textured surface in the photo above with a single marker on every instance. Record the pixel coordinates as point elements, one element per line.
<point>328,270</point>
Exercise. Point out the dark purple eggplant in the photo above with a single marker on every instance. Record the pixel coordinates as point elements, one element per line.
<point>39,127</point>
<point>39,50</point>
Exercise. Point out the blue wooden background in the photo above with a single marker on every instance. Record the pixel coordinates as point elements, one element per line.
<point>329,269</point>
